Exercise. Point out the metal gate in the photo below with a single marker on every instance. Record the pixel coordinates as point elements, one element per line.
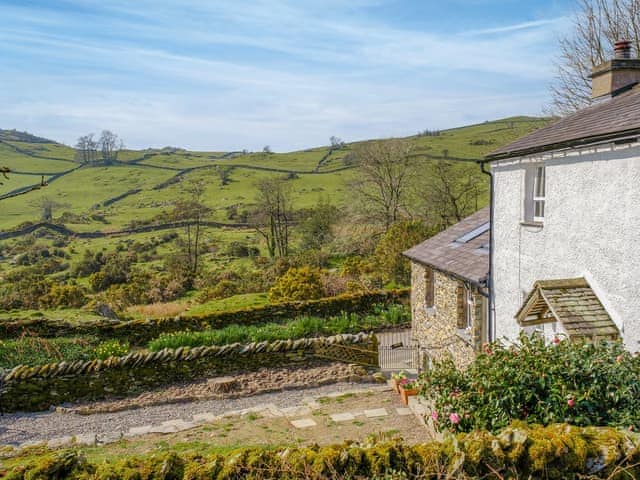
<point>396,351</point>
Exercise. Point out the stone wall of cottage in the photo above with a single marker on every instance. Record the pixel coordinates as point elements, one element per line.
<point>435,328</point>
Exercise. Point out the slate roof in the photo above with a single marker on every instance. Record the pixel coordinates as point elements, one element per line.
<point>571,302</point>
<point>465,260</point>
<point>608,119</point>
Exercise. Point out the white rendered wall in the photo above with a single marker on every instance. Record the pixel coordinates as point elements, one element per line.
<point>591,229</point>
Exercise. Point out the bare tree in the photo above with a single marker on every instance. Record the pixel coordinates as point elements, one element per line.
<point>598,24</point>
<point>87,148</point>
<point>110,144</point>
<point>47,205</point>
<point>449,193</point>
<point>273,217</point>
<point>336,143</point>
<point>385,170</point>
<point>192,212</point>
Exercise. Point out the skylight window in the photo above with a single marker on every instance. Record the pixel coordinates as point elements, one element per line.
<point>476,232</point>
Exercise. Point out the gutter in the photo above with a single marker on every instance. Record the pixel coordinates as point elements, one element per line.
<point>491,327</point>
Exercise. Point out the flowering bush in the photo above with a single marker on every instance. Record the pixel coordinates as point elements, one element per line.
<point>578,383</point>
<point>111,348</point>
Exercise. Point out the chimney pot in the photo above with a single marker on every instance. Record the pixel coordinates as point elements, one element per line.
<point>617,75</point>
<point>622,49</point>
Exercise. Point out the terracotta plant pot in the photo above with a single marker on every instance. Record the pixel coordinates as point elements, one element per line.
<point>406,393</point>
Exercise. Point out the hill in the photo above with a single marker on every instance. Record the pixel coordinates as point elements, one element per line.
<point>143,184</point>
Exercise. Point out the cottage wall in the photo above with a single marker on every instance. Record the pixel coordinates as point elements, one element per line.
<point>435,329</point>
<point>591,229</point>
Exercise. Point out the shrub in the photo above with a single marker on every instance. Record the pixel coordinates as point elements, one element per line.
<point>577,383</point>
<point>67,296</point>
<point>111,348</point>
<point>304,283</point>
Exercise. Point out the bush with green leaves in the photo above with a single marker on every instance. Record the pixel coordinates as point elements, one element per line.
<point>302,327</point>
<point>304,283</point>
<point>111,348</point>
<point>572,382</point>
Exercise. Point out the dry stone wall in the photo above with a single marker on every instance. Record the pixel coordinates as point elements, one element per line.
<point>139,332</point>
<point>37,388</point>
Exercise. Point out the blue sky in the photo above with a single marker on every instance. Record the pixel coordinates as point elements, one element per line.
<point>229,75</point>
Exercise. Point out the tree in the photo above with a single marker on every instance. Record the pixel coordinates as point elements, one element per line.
<point>192,212</point>
<point>316,228</point>
<point>87,148</point>
<point>388,254</point>
<point>47,206</point>
<point>449,193</point>
<point>385,170</point>
<point>109,144</point>
<point>336,143</point>
<point>267,150</point>
<point>598,24</point>
<point>273,217</point>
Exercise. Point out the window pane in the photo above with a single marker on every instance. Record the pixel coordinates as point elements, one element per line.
<point>539,185</point>
<point>538,208</point>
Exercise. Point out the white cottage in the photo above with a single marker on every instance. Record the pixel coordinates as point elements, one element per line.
<point>566,218</point>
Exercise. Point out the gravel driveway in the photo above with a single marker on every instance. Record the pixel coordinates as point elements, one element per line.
<point>20,428</point>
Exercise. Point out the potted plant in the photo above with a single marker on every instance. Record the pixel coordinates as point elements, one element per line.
<point>407,389</point>
<point>396,378</point>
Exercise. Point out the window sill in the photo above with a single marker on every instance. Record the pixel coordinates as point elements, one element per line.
<point>532,224</point>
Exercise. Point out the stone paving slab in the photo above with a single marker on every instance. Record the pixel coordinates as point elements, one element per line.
<point>60,442</point>
<point>163,429</point>
<point>298,411</point>
<point>342,417</point>
<point>404,411</point>
<point>376,412</point>
<point>205,417</point>
<point>140,430</point>
<point>303,423</point>
<point>86,439</point>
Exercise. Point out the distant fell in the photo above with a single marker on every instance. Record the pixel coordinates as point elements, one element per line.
<point>17,136</point>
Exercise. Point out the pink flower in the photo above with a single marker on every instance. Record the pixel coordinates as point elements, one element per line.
<point>619,358</point>
<point>571,403</point>
<point>454,418</point>
<point>556,341</point>
<point>434,416</point>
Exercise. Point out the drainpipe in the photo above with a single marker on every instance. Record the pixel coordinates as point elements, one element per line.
<point>491,320</point>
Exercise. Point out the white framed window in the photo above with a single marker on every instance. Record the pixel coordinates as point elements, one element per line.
<point>535,193</point>
<point>538,193</point>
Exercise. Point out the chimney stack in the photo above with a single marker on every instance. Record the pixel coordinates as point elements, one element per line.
<point>616,75</point>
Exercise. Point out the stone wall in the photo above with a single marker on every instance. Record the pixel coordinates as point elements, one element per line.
<point>435,328</point>
<point>37,388</point>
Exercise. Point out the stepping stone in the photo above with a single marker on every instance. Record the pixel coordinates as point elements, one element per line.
<point>179,424</point>
<point>86,439</point>
<point>342,417</point>
<point>296,411</point>
<point>140,430</point>
<point>163,429</point>
<point>303,423</point>
<point>376,412</point>
<point>59,442</point>
<point>205,417</point>
<point>109,437</point>
<point>404,411</point>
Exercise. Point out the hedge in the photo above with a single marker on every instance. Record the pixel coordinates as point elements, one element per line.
<point>37,388</point>
<point>554,452</point>
<point>139,332</point>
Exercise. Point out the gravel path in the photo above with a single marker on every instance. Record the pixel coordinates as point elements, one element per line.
<point>16,429</point>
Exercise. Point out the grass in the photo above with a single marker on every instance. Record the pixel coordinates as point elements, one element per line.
<point>39,351</point>
<point>236,302</point>
<point>299,328</point>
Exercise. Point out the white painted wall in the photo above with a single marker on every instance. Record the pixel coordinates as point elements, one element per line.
<point>591,229</point>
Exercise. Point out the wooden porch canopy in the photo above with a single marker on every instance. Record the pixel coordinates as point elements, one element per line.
<point>571,302</point>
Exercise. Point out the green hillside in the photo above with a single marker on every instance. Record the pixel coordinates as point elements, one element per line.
<point>318,172</point>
